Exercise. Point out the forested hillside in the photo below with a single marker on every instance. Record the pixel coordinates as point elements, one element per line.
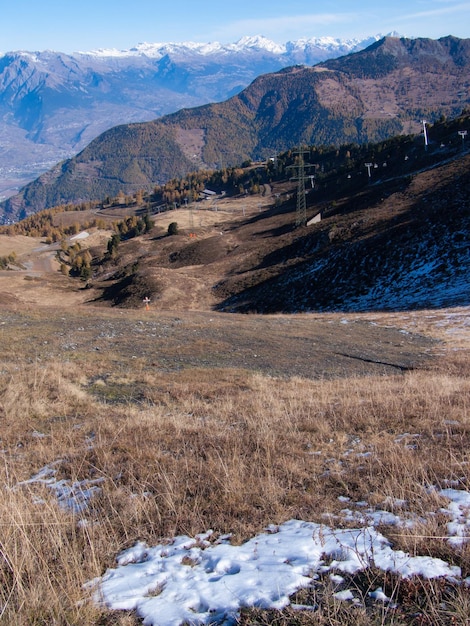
<point>368,96</point>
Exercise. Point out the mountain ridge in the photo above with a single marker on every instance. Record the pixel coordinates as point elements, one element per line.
<point>366,96</point>
<point>246,43</point>
<point>52,104</point>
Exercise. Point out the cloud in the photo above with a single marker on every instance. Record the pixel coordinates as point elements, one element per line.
<point>450,7</point>
<point>285,26</point>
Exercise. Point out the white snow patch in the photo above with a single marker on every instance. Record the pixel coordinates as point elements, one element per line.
<point>190,580</point>
<point>73,496</point>
<point>344,595</point>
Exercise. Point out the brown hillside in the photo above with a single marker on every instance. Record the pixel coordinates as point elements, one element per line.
<point>399,244</point>
<point>245,254</point>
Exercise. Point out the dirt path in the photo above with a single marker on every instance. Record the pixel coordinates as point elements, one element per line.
<point>35,278</point>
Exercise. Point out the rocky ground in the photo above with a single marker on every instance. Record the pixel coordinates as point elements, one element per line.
<point>306,345</point>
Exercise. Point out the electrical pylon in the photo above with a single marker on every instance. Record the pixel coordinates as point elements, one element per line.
<point>300,166</point>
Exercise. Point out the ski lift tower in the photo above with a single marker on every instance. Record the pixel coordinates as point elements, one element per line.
<point>300,166</point>
<point>463,134</point>
<point>368,165</point>
<point>425,133</point>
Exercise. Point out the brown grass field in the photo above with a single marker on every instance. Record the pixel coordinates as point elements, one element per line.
<point>195,420</point>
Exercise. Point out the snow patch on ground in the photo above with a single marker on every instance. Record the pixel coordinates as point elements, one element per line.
<point>74,496</point>
<point>205,579</point>
<point>200,580</point>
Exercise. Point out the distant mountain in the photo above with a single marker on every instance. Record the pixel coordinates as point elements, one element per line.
<point>384,90</point>
<point>53,104</point>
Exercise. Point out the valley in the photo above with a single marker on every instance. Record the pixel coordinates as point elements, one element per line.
<point>214,412</point>
<point>53,104</point>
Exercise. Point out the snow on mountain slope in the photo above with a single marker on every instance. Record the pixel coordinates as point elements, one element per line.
<point>257,43</point>
<point>53,104</point>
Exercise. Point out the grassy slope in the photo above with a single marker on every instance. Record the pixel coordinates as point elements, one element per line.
<point>198,420</point>
<point>194,421</point>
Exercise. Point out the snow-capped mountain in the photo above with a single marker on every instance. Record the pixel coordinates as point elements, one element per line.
<point>359,98</point>
<point>53,104</point>
<point>315,46</point>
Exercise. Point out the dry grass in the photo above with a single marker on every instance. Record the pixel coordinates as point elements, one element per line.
<point>19,244</point>
<point>186,450</point>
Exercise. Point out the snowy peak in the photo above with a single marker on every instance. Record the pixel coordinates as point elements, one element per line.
<point>259,43</point>
<point>247,44</point>
<point>306,50</point>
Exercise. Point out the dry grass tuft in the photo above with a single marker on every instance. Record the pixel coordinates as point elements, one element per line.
<point>186,450</point>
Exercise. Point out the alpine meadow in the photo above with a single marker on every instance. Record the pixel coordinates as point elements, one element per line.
<point>234,376</point>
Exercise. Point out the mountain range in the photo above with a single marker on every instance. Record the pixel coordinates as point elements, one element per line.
<point>53,104</point>
<point>387,89</point>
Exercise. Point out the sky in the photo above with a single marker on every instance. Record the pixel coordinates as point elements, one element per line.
<point>122,24</point>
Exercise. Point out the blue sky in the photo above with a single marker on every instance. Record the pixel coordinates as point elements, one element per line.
<point>67,26</point>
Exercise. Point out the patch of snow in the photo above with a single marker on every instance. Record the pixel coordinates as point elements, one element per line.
<point>190,580</point>
<point>73,496</point>
<point>378,594</point>
<point>344,595</point>
<point>459,512</point>
<point>335,578</point>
